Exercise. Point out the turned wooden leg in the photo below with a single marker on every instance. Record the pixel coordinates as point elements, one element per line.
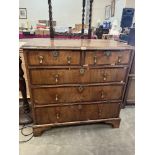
<point>37,131</point>
<point>115,123</point>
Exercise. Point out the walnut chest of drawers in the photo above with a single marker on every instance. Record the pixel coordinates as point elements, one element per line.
<point>76,81</point>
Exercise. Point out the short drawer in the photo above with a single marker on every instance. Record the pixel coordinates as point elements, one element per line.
<point>54,58</point>
<point>107,57</point>
<point>66,76</point>
<point>74,113</point>
<point>76,94</point>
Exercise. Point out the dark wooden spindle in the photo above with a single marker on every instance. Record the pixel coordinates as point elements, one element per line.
<point>90,20</point>
<point>83,16</point>
<point>50,19</point>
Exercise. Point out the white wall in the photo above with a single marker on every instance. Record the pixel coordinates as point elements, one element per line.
<point>119,5</point>
<point>130,3</point>
<point>98,13</point>
<point>36,9</point>
<point>69,12</point>
<point>65,12</point>
<point>99,9</point>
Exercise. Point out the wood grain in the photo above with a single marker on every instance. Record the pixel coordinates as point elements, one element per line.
<point>83,83</point>
<point>102,58</point>
<point>50,59</point>
<point>39,129</point>
<point>75,44</point>
<point>81,75</point>
<point>76,94</point>
<point>76,113</point>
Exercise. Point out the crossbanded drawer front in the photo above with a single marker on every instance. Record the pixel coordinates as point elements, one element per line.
<point>82,75</point>
<point>74,113</point>
<point>54,58</point>
<point>107,57</point>
<point>76,94</point>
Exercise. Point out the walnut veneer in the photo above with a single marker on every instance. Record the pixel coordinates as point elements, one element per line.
<point>76,81</point>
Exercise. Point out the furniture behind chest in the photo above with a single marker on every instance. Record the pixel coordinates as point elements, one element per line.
<point>76,81</point>
<point>24,72</point>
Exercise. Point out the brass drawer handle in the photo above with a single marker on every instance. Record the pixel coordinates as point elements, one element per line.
<point>56,97</point>
<point>80,89</point>
<point>79,107</point>
<point>95,60</point>
<point>56,78</point>
<point>119,59</point>
<point>41,59</point>
<point>82,70</point>
<point>69,60</point>
<point>100,112</point>
<point>104,76</point>
<point>57,115</point>
<point>102,95</point>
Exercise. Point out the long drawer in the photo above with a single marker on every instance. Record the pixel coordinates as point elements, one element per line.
<point>54,57</point>
<point>82,75</point>
<point>107,57</point>
<point>76,94</point>
<point>73,113</point>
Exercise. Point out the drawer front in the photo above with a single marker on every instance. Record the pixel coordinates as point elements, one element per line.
<point>109,110</point>
<point>66,76</point>
<point>54,58</point>
<point>76,113</point>
<point>107,58</point>
<point>76,94</point>
<point>56,114</point>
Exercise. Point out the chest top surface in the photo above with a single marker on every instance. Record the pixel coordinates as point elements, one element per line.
<point>79,44</point>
